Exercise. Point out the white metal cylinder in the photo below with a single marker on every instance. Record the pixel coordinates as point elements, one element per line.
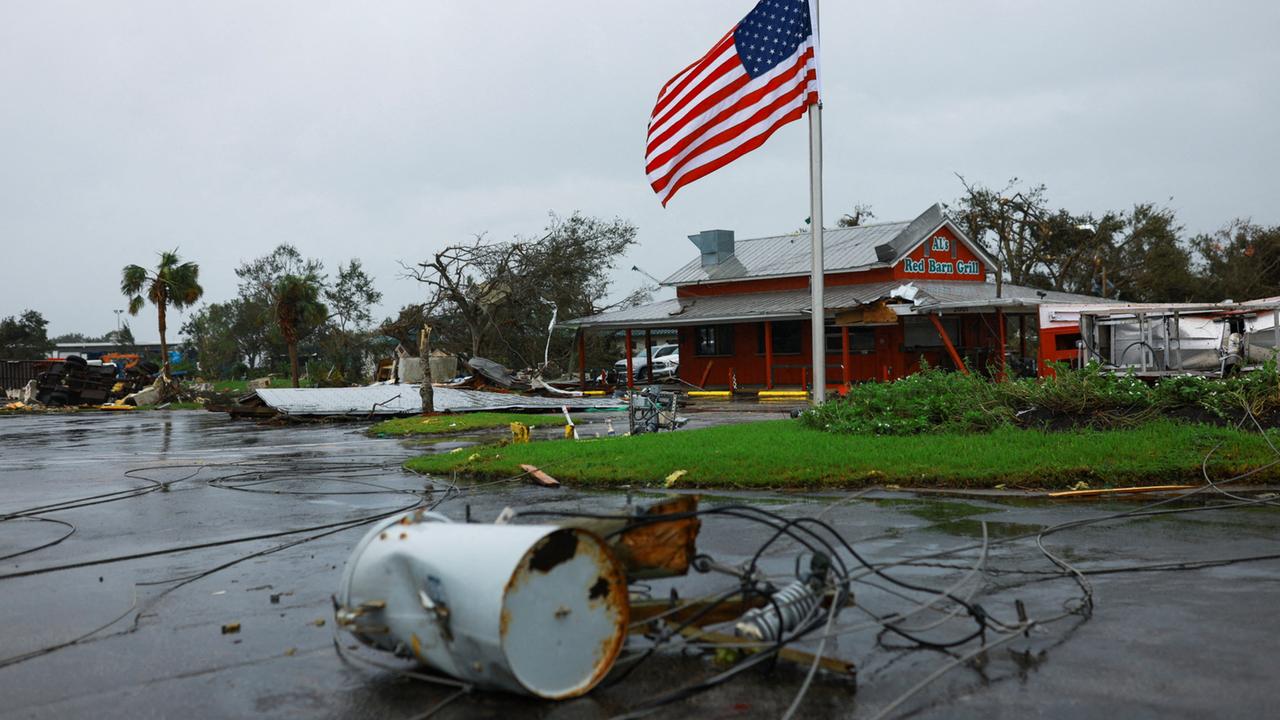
<point>535,609</point>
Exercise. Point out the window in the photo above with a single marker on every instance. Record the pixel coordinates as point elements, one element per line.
<point>861,339</point>
<point>665,351</point>
<point>920,333</point>
<point>788,337</point>
<point>1065,341</point>
<point>714,340</point>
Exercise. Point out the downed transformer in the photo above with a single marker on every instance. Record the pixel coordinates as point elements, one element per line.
<point>538,609</point>
<point>545,610</point>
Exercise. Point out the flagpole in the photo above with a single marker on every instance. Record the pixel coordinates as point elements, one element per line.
<point>817,280</point>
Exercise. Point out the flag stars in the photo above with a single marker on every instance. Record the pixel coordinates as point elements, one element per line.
<point>775,29</point>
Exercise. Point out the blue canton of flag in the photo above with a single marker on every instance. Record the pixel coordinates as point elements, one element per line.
<point>771,33</point>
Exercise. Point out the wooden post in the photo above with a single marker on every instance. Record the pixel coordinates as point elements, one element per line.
<point>705,372</point>
<point>630,375</point>
<point>845,372</point>
<point>946,340</point>
<point>768,355</point>
<point>648,352</point>
<point>582,358</point>
<point>1000,331</point>
<point>1022,335</point>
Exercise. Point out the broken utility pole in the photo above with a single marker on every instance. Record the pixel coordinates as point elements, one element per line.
<point>424,352</point>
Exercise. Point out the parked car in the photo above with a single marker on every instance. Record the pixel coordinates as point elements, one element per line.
<point>666,362</point>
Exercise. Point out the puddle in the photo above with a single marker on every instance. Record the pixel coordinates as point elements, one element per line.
<point>973,528</point>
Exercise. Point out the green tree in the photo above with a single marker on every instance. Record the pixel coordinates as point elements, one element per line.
<point>299,311</point>
<point>348,339</point>
<point>1148,260</point>
<point>1241,262</point>
<point>496,299</point>
<point>24,337</point>
<point>173,282</point>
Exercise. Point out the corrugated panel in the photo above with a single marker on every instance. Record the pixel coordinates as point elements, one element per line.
<point>793,304</point>
<point>404,400</point>
<point>844,249</point>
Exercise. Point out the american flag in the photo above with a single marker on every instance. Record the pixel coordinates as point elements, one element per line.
<point>760,76</point>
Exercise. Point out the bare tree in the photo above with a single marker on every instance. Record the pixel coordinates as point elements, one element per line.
<point>502,295</point>
<point>862,212</point>
<point>469,281</point>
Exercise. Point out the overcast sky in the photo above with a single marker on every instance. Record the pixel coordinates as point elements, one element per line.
<point>385,130</point>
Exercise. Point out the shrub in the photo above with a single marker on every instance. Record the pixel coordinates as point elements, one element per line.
<point>938,401</point>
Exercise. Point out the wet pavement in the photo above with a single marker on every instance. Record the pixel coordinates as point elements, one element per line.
<point>157,570</point>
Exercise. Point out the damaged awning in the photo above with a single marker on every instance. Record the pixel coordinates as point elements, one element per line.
<point>392,400</point>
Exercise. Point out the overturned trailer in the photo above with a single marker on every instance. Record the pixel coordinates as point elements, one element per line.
<point>1164,339</point>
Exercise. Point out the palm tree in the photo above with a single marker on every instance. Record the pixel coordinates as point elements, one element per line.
<point>299,310</point>
<point>173,282</point>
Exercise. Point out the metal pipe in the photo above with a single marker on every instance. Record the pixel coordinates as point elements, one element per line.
<point>1177,324</point>
<point>817,283</point>
<point>648,352</point>
<point>1142,338</point>
<point>630,375</point>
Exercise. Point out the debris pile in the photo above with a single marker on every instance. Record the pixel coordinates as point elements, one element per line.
<point>546,609</point>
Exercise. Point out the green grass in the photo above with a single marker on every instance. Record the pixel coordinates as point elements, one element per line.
<point>785,453</point>
<point>460,422</point>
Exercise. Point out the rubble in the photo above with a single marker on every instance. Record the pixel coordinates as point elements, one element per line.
<point>259,383</point>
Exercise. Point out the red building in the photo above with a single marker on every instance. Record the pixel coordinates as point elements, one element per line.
<point>897,294</point>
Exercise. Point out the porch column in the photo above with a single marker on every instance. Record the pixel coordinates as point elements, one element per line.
<point>648,352</point>
<point>630,375</point>
<point>768,354</point>
<point>582,358</point>
<point>1022,335</point>
<point>1000,330</point>
<point>845,373</point>
<point>946,340</point>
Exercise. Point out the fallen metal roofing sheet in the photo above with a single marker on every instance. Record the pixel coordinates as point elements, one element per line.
<point>404,400</point>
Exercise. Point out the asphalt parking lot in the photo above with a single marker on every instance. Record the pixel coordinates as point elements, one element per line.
<point>123,618</point>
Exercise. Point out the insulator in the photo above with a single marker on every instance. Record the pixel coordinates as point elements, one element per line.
<point>790,605</point>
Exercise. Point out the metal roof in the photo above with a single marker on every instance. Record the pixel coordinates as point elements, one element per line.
<point>794,304</point>
<point>844,249</point>
<point>379,400</point>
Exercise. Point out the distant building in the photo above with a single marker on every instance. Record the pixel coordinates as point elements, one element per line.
<point>95,350</point>
<point>897,294</point>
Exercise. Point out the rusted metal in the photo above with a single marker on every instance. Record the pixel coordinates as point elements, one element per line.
<point>647,546</point>
<point>534,609</point>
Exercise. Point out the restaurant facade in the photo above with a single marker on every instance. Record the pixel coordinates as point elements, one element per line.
<point>898,295</point>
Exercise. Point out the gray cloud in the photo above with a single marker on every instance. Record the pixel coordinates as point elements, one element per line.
<point>385,130</point>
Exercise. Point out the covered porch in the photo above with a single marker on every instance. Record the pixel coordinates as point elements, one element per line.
<point>877,332</point>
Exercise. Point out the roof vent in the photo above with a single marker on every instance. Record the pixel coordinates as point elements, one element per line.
<point>716,246</point>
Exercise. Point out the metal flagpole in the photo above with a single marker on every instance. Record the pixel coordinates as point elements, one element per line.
<point>817,278</point>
